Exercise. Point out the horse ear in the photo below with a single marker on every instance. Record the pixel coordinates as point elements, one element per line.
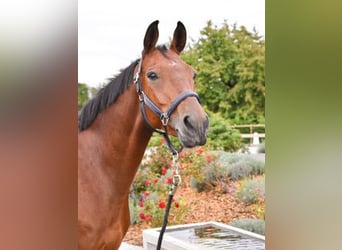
<point>151,37</point>
<point>179,38</point>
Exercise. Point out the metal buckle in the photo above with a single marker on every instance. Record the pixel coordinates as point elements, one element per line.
<point>176,180</point>
<point>141,96</point>
<point>164,119</point>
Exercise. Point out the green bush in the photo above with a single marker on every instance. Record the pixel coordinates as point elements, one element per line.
<point>221,136</point>
<point>252,225</point>
<point>225,167</point>
<point>151,185</point>
<point>252,191</point>
<point>239,166</point>
<point>200,186</point>
<point>205,176</point>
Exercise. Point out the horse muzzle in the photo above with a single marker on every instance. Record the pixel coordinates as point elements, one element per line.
<point>192,131</point>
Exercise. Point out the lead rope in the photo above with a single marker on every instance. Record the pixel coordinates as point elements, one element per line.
<point>176,181</point>
<point>164,117</point>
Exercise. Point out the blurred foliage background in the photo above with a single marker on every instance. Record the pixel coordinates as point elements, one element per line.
<point>230,65</point>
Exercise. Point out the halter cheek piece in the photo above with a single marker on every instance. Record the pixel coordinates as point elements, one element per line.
<point>163,116</point>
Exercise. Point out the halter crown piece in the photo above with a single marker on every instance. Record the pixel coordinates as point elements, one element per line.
<point>163,116</point>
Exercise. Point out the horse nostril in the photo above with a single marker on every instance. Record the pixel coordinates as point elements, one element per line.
<point>187,121</point>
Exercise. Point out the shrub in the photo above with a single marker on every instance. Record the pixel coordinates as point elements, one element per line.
<point>149,191</point>
<point>208,176</point>
<point>205,175</point>
<point>196,163</point>
<point>252,225</point>
<point>225,167</point>
<point>149,204</point>
<point>221,136</point>
<point>199,186</point>
<point>239,166</point>
<point>252,191</point>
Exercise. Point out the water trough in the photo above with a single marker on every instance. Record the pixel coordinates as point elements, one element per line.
<point>204,236</point>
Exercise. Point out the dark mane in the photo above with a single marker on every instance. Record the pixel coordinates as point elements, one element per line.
<point>106,96</point>
<point>109,93</point>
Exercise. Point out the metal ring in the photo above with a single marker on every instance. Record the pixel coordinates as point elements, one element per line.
<point>164,119</point>
<point>176,179</point>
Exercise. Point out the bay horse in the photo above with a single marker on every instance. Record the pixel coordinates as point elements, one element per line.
<point>115,127</point>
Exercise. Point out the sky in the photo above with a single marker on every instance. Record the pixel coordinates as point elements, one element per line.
<point>111,33</point>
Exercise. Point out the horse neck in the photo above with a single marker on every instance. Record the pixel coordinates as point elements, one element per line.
<point>124,138</point>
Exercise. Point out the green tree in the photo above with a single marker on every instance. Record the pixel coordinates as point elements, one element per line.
<point>230,65</point>
<point>83,94</point>
<point>221,136</point>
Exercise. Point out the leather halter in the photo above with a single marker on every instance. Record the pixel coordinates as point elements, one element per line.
<point>163,116</point>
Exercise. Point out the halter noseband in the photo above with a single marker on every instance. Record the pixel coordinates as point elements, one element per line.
<point>163,116</point>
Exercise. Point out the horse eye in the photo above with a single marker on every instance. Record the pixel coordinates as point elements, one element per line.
<point>152,75</point>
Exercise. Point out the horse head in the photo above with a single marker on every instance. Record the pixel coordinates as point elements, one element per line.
<point>169,84</point>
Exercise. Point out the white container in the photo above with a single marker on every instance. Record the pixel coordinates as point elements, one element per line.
<point>182,237</point>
